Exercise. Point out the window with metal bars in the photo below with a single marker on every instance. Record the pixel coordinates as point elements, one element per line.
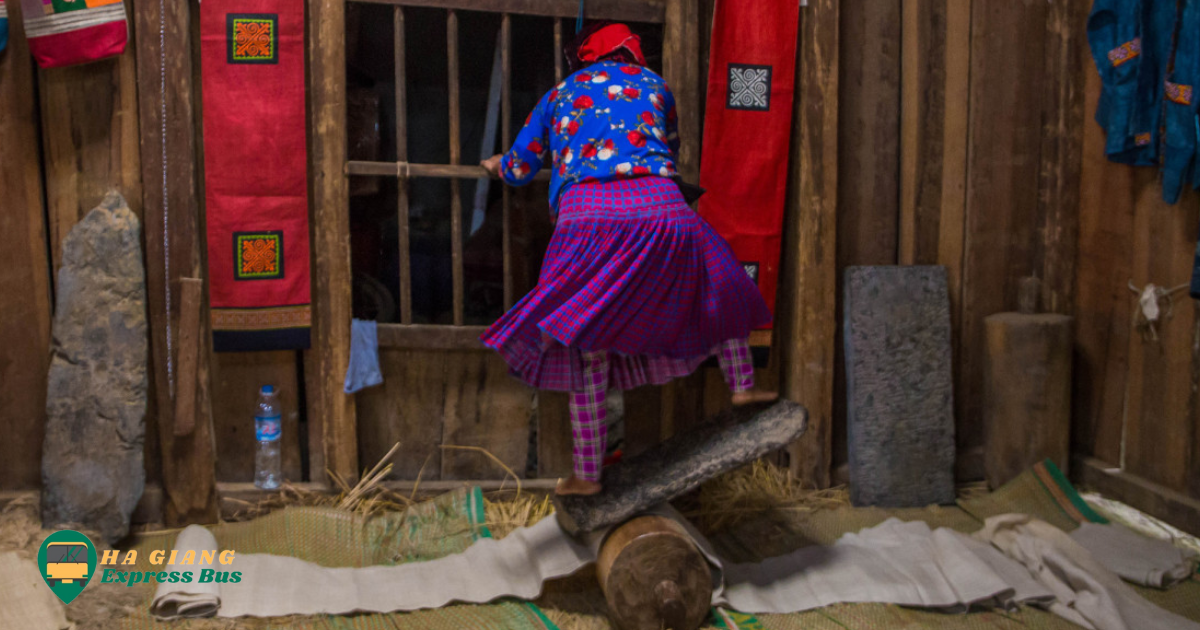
<point>438,250</point>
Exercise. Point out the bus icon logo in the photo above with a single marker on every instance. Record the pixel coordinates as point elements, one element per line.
<point>67,561</point>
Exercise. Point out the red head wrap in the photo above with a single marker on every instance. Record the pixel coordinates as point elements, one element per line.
<point>608,40</point>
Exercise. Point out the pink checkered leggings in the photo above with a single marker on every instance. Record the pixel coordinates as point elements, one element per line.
<point>588,411</point>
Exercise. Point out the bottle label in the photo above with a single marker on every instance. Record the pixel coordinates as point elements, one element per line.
<point>268,429</point>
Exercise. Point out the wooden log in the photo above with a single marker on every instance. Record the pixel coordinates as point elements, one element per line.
<point>333,441</point>
<point>170,204</point>
<point>653,577</point>
<point>808,315</point>
<point>25,308</point>
<point>682,463</point>
<point>190,298</point>
<point>651,11</point>
<point>1027,393</point>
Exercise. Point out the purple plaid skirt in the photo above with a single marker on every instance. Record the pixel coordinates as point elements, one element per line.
<point>633,270</point>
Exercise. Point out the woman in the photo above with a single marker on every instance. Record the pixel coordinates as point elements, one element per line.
<point>635,288</point>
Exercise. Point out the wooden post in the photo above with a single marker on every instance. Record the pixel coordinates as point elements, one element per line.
<point>558,50</point>
<point>170,177</point>
<point>505,141</point>
<point>809,239</point>
<point>653,576</point>
<point>25,283</point>
<point>681,69</point>
<point>401,75</point>
<point>456,236</point>
<point>333,438</point>
<point>191,298</point>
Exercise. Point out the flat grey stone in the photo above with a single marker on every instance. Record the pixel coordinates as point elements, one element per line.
<point>900,404</point>
<point>92,471</point>
<point>682,463</point>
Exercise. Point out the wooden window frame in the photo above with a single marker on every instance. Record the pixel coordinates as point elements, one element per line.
<point>458,336</point>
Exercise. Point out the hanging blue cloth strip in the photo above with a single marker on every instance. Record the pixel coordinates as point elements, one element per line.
<point>579,20</point>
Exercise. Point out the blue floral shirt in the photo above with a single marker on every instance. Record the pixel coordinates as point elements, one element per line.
<point>608,121</point>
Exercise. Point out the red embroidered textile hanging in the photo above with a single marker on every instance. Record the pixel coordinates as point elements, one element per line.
<point>255,173</point>
<point>747,128</point>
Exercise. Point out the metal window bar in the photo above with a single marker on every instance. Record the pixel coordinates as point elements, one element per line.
<point>459,336</point>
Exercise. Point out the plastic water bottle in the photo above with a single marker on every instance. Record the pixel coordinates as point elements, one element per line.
<point>268,426</point>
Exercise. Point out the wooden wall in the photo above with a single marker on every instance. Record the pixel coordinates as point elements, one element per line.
<point>959,147</point>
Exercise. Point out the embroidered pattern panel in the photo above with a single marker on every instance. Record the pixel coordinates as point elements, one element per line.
<point>253,37</point>
<point>1125,52</point>
<point>262,318</point>
<point>259,255</point>
<point>1179,93</point>
<point>749,87</point>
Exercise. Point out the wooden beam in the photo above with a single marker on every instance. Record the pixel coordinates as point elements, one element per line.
<point>405,170</point>
<point>456,228</point>
<point>681,69</point>
<point>810,239</point>
<point>333,442</point>
<point>1158,501</point>
<point>401,78</point>
<point>172,212</point>
<point>25,284</point>
<point>652,11</point>
<point>430,337</point>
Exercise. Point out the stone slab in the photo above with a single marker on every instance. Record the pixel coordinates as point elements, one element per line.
<point>677,466</point>
<point>900,403</point>
<point>92,470</point>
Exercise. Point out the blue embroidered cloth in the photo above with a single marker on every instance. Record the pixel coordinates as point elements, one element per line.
<point>607,122</point>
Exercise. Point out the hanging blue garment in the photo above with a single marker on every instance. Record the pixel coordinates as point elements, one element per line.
<point>3,25</point>
<point>1148,56</point>
<point>1179,104</point>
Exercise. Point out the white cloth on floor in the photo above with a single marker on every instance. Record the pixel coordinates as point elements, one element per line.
<point>1086,592</point>
<point>26,603</point>
<point>1139,559</point>
<point>1014,560</point>
<point>363,371</point>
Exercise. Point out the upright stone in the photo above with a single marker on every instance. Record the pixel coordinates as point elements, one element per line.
<point>92,471</point>
<point>900,405</point>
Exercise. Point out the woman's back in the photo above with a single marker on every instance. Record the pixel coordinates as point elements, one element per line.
<point>608,121</point>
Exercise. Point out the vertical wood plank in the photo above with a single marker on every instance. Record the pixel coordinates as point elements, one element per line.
<point>24,269</point>
<point>554,433</point>
<point>236,379</point>
<point>487,408</point>
<point>810,237</point>
<point>170,172</point>
<point>1061,153</point>
<point>456,235</point>
<point>191,297</point>
<point>408,408</point>
<point>505,141</point>
<point>868,206</point>
<point>90,140</point>
<point>643,419</point>
<point>1103,304</point>
<point>924,115</point>
<point>1005,135</point>
<point>1160,422</point>
<point>558,51</point>
<point>681,51</point>
<point>401,74</point>
<point>333,443</point>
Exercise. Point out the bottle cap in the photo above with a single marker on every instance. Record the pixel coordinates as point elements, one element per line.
<point>268,389</point>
